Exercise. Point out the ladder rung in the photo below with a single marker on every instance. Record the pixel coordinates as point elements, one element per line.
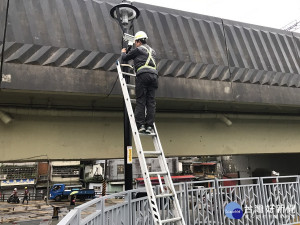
<point>158,173</point>
<point>171,220</point>
<point>131,86</point>
<point>129,74</point>
<point>133,101</point>
<point>127,65</point>
<point>152,153</point>
<point>145,134</point>
<point>164,195</point>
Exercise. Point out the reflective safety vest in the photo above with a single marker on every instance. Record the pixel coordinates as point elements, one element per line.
<point>148,60</point>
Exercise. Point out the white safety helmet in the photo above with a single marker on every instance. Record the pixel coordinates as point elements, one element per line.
<point>140,35</point>
<point>15,189</point>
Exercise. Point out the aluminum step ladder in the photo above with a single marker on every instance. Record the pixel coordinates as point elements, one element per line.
<point>166,190</point>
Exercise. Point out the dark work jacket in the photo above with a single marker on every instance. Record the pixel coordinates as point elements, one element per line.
<point>139,56</point>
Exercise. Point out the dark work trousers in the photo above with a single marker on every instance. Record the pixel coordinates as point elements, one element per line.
<point>25,199</point>
<point>145,87</point>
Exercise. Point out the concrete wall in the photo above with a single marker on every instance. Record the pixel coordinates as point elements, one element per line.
<point>62,138</point>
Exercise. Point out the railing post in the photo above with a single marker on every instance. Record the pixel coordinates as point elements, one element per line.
<point>264,202</point>
<point>102,211</point>
<point>298,180</point>
<point>98,208</point>
<point>218,198</point>
<point>76,219</point>
<point>98,205</point>
<point>217,205</point>
<point>186,193</point>
<point>130,211</point>
<point>79,216</point>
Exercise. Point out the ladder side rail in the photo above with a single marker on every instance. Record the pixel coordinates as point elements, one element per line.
<point>167,178</point>
<point>160,184</point>
<point>139,148</point>
<point>163,161</point>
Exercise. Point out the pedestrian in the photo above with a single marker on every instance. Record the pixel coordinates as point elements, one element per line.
<point>146,81</point>
<point>26,195</point>
<point>73,197</point>
<point>15,193</point>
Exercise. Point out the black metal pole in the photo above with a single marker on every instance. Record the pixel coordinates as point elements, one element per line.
<point>125,13</point>
<point>127,135</point>
<point>127,142</point>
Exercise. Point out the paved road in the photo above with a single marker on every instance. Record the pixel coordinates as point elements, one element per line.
<point>36,212</point>
<point>33,222</point>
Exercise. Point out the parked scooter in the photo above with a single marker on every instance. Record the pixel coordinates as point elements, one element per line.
<point>13,199</point>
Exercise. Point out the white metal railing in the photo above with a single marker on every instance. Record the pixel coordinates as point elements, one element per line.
<point>264,201</point>
<point>71,218</point>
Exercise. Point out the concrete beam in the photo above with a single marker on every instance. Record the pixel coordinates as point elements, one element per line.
<point>31,137</point>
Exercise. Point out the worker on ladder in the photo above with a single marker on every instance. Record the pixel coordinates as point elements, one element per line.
<point>146,81</point>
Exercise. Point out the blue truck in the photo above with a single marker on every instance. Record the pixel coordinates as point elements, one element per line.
<point>61,191</point>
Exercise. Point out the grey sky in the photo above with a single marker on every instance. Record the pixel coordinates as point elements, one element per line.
<point>270,13</point>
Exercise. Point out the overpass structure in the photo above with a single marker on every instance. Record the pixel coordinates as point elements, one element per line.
<point>225,87</point>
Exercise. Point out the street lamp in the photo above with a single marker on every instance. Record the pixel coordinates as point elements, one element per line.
<point>125,13</point>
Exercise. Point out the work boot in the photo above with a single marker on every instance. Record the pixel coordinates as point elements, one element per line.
<point>149,130</point>
<point>142,129</point>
